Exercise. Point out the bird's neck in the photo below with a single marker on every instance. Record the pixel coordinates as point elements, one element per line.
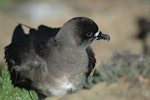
<point>69,52</point>
<point>66,41</point>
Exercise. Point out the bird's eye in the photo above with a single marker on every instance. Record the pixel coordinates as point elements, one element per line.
<point>89,34</point>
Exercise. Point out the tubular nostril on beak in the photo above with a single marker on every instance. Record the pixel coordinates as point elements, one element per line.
<point>99,35</point>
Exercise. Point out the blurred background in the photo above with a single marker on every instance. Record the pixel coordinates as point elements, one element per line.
<point>123,20</point>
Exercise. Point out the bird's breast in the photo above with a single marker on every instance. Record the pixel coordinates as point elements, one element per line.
<point>67,70</point>
<point>68,60</point>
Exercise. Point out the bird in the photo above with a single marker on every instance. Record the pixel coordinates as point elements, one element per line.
<point>144,30</point>
<point>53,61</point>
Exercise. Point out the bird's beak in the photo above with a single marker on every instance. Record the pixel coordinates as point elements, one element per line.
<point>99,35</point>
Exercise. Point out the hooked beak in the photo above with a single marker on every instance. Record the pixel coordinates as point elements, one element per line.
<point>99,35</point>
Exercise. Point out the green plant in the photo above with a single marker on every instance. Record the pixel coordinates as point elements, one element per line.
<point>9,92</point>
<point>126,67</point>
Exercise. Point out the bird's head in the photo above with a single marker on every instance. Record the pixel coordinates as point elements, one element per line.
<point>81,31</point>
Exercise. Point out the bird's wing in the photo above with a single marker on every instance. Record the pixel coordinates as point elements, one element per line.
<point>48,30</point>
<point>92,60</point>
<point>42,33</point>
<point>26,44</point>
<point>22,58</point>
<point>19,43</point>
<point>18,34</point>
<point>16,55</point>
<point>41,39</point>
<point>22,43</point>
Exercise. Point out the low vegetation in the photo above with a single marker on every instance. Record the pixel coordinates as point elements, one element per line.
<point>9,92</point>
<point>122,67</point>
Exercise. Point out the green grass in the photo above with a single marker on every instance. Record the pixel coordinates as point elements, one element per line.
<point>126,66</point>
<point>9,92</point>
<point>122,67</point>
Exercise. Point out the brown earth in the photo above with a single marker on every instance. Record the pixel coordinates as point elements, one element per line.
<point>118,18</point>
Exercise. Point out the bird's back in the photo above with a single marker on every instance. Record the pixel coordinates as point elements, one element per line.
<point>25,49</point>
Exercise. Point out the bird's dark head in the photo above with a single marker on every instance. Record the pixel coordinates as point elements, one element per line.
<point>82,31</point>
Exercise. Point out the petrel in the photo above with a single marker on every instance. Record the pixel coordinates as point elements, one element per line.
<point>53,61</point>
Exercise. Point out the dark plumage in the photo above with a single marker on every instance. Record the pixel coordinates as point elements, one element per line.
<point>53,61</point>
<point>144,30</point>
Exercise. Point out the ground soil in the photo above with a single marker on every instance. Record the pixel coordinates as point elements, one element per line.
<point>118,18</point>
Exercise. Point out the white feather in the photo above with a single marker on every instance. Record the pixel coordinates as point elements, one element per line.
<point>96,34</point>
